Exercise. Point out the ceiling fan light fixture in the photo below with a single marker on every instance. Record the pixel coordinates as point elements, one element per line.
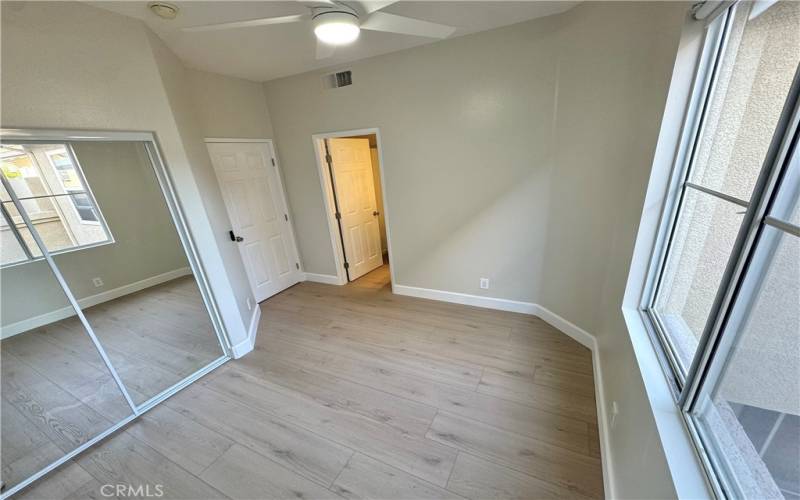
<point>336,28</point>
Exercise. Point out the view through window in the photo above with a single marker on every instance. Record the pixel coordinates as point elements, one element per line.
<point>52,189</point>
<point>743,352</point>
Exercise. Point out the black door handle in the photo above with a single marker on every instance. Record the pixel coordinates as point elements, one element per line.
<point>234,237</point>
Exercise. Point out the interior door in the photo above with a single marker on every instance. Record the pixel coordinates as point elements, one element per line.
<point>253,195</point>
<point>355,193</point>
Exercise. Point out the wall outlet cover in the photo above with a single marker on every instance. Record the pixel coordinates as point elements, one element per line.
<point>485,283</point>
<point>98,282</point>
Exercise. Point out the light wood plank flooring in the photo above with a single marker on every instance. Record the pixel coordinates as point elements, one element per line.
<point>353,392</point>
<point>57,393</point>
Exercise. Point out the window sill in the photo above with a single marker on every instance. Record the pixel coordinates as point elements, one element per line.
<point>685,467</point>
<point>59,252</point>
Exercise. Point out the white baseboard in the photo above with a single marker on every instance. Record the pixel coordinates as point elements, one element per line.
<point>249,343</point>
<point>92,300</point>
<point>558,322</point>
<point>328,279</point>
<point>575,332</point>
<point>603,426</point>
<point>466,299</point>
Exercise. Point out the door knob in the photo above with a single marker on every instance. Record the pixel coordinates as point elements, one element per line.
<point>376,213</point>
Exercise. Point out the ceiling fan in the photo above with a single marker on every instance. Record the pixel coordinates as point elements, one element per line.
<point>339,23</point>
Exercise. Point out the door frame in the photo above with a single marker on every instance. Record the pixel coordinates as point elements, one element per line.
<point>274,157</point>
<point>326,184</point>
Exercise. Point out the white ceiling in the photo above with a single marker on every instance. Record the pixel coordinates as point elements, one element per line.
<point>267,52</point>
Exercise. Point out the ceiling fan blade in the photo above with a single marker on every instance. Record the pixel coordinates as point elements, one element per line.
<point>317,3</point>
<point>264,21</point>
<point>324,51</point>
<point>370,6</point>
<point>383,21</point>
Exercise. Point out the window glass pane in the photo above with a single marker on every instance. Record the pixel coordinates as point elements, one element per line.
<point>64,169</point>
<point>84,207</point>
<point>756,71</point>
<point>60,228</point>
<point>19,167</point>
<point>52,192</point>
<point>704,235</point>
<point>10,249</point>
<point>752,416</point>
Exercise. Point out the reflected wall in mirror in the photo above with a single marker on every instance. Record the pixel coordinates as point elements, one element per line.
<point>98,210</point>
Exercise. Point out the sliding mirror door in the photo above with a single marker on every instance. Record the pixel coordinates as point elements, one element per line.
<point>152,319</point>
<point>92,225</point>
<point>56,392</point>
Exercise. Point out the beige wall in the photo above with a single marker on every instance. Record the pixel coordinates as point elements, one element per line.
<point>466,140</point>
<point>69,65</point>
<point>229,107</point>
<point>529,169</point>
<point>615,66</point>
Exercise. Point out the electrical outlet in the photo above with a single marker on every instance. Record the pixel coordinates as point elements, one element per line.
<point>614,413</point>
<point>485,283</point>
<point>98,282</point>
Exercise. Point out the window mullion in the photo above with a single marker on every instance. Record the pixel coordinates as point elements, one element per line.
<point>723,196</point>
<point>784,226</point>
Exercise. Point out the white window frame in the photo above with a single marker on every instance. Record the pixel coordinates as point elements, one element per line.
<point>88,192</point>
<point>692,466</point>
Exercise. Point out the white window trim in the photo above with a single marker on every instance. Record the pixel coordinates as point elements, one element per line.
<point>686,468</point>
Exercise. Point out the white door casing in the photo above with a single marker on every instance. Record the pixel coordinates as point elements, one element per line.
<point>254,199</point>
<point>351,165</point>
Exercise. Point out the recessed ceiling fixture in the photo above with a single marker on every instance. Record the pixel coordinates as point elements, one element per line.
<point>336,28</point>
<point>163,10</point>
<point>337,23</point>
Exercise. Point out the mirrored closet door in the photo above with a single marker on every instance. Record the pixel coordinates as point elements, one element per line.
<point>104,309</point>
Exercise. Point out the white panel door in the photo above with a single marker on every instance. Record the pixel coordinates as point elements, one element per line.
<point>355,194</point>
<point>253,195</point>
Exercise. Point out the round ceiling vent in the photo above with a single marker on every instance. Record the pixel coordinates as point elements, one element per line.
<point>163,10</point>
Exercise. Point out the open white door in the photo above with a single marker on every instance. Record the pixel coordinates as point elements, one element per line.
<point>351,165</point>
<point>253,195</point>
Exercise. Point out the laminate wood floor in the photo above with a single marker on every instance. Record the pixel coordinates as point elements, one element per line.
<point>352,392</point>
<point>56,392</point>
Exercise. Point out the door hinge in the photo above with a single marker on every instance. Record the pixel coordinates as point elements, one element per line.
<point>329,159</point>
<point>286,216</point>
<point>273,161</point>
<point>346,265</point>
<point>297,265</point>
<point>338,215</point>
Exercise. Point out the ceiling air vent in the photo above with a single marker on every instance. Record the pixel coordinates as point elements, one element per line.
<point>339,79</point>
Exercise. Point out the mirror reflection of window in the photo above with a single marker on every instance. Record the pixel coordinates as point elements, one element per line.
<point>52,190</point>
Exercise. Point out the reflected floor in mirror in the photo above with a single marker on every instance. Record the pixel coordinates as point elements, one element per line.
<point>56,391</point>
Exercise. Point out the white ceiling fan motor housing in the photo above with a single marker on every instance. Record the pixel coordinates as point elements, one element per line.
<point>336,26</point>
